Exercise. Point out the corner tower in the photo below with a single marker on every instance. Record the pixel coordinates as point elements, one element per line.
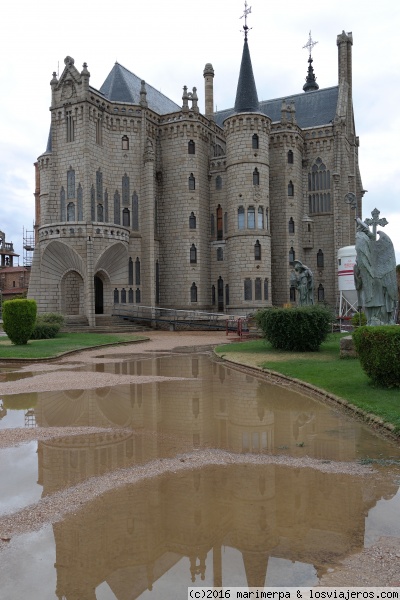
<point>248,242</point>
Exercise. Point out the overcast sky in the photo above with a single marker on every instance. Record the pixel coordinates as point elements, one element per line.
<point>167,43</point>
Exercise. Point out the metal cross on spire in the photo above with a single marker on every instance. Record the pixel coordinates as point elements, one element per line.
<point>310,44</point>
<point>375,221</point>
<point>247,11</point>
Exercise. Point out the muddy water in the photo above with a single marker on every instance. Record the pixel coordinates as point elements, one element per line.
<point>235,525</point>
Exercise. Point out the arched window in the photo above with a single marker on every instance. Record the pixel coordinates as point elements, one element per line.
<point>220,232</point>
<point>106,206</point>
<point>117,208</point>
<point>193,254</point>
<point>126,217</point>
<point>123,296</point>
<point>319,185</point>
<point>70,183</point>
<point>130,296</point>
<point>290,157</point>
<point>191,147</point>
<point>116,296</point>
<point>256,177</point>
<point>266,289</point>
<point>220,254</point>
<point>130,271</point>
<point>241,217</point>
<point>290,189</point>
<point>321,293</point>
<point>257,289</point>
<point>251,218</point>
<point>135,212</point>
<point>125,190</point>
<point>257,250</point>
<point>292,256</point>
<point>137,271</point>
<point>137,296</point>
<point>71,211</point>
<point>62,204</point>
<point>291,225</point>
<point>125,142</point>
<point>192,221</point>
<point>193,292</point>
<point>218,182</point>
<point>248,292</point>
<point>260,217</point>
<point>254,142</point>
<point>320,259</point>
<point>192,182</point>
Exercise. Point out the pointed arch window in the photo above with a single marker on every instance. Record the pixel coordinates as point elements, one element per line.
<point>290,189</point>
<point>70,183</point>
<point>319,185</point>
<point>62,204</point>
<point>218,182</point>
<point>193,292</point>
<point>241,222</point>
<point>126,217</point>
<point>320,259</point>
<point>135,212</point>
<point>254,142</point>
<point>99,186</point>
<point>125,142</point>
<point>251,218</point>
<point>106,206</point>
<point>257,250</point>
<point>191,147</point>
<point>92,204</point>
<point>260,217</point>
<point>290,157</point>
<point>79,195</point>
<point>123,296</point>
<point>257,289</point>
<point>256,177</point>
<point>248,292</point>
<point>117,208</point>
<point>321,293</point>
<point>116,296</point>
<point>291,225</point>
<point>130,271</point>
<point>130,296</point>
<point>292,256</point>
<point>137,296</point>
<point>125,190</point>
<point>137,271</point>
<point>192,221</point>
<point>193,254</point>
<point>220,225</point>
<point>192,182</point>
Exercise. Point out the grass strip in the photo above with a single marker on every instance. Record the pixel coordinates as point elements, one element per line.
<point>63,342</point>
<point>324,369</point>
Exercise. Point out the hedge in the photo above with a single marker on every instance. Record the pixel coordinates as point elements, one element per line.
<point>379,352</point>
<point>19,318</point>
<point>47,326</point>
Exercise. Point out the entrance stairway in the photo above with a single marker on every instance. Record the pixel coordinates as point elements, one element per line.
<point>104,324</point>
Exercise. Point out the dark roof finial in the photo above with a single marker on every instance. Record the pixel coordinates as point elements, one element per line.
<point>246,12</point>
<point>310,83</point>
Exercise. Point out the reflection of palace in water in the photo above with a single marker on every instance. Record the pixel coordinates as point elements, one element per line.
<point>134,536</point>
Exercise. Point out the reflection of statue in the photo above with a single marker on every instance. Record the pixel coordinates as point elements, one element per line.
<point>303,280</point>
<point>375,272</point>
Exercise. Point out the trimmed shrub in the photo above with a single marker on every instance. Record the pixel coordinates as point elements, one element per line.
<point>47,326</point>
<point>300,329</point>
<point>379,352</point>
<point>19,318</point>
<point>358,319</point>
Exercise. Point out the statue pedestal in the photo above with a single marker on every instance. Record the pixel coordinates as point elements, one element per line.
<point>347,349</point>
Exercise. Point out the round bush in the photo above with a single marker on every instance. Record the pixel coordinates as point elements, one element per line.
<point>300,329</point>
<point>19,318</point>
<point>379,352</point>
<point>44,331</point>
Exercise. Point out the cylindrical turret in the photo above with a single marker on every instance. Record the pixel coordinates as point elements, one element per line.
<point>209,90</point>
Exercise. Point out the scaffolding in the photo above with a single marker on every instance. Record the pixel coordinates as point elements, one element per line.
<point>29,246</point>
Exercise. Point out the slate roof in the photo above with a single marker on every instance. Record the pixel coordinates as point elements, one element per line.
<point>313,109</point>
<point>123,86</point>
<point>246,93</point>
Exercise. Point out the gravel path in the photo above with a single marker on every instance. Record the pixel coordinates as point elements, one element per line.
<point>377,565</point>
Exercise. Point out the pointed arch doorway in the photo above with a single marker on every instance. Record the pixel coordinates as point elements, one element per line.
<point>98,296</point>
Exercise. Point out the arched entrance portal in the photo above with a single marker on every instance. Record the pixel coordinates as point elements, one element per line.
<point>72,294</point>
<point>98,296</point>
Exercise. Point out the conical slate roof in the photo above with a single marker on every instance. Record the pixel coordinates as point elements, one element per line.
<point>246,93</point>
<point>123,86</point>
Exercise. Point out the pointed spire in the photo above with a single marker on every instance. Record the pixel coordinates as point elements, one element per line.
<point>246,93</point>
<point>311,83</point>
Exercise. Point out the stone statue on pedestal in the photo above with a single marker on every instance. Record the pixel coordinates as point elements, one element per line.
<point>303,280</point>
<point>375,272</point>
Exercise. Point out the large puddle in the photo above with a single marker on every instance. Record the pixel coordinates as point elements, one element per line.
<point>233,525</point>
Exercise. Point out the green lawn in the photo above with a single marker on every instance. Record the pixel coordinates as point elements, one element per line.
<point>324,369</point>
<point>64,342</point>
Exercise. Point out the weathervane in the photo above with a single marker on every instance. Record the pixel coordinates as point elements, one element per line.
<point>247,11</point>
<point>310,44</point>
